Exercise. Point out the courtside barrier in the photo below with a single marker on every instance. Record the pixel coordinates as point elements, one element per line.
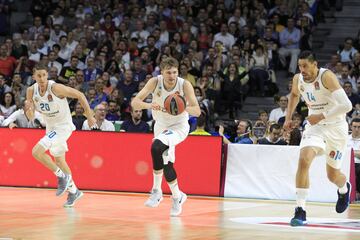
<point>268,172</point>
<point>111,161</point>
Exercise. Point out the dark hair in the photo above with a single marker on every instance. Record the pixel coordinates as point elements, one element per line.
<point>310,56</point>
<point>274,126</point>
<point>354,120</point>
<point>201,120</point>
<point>295,137</point>
<point>12,100</point>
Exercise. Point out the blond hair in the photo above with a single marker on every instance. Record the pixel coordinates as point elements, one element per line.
<point>168,63</point>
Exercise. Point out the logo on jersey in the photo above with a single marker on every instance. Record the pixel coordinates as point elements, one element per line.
<point>336,155</point>
<point>50,98</point>
<point>302,88</point>
<point>316,85</point>
<point>167,132</point>
<point>36,99</point>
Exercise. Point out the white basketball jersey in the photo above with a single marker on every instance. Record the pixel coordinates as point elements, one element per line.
<point>318,98</point>
<point>159,96</point>
<point>55,110</point>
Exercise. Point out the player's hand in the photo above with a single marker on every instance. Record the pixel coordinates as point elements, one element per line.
<point>12,125</point>
<point>287,125</point>
<point>221,130</point>
<point>315,118</point>
<point>155,107</point>
<point>92,123</point>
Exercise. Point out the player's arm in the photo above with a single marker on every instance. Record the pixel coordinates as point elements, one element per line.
<point>293,100</point>
<point>193,106</point>
<point>343,105</point>
<point>64,91</point>
<point>29,104</point>
<point>138,100</point>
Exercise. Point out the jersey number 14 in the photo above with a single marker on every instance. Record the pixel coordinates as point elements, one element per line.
<point>310,97</point>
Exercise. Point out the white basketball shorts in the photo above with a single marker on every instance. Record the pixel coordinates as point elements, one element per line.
<point>55,139</point>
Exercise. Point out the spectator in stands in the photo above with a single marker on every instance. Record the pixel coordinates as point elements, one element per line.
<point>354,142</point>
<point>7,63</point>
<point>78,117</point>
<point>225,37</point>
<point>113,112</point>
<point>297,121</point>
<point>348,51</point>
<point>53,62</point>
<point>19,119</point>
<point>232,89</point>
<point>100,95</point>
<point>102,123</point>
<point>4,88</point>
<point>36,29</point>
<point>354,98</point>
<point>289,40</point>
<point>335,58</point>
<point>71,70</point>
<point>128,86</point>
<point>135,124</point>
<point>200,125</point>
<point>244,133</point>
<point>7,104</point>
<point>18,49</point>
<point>263,116</point>
<point>345,77</point>
<point>279,112</point>
<point>259,64</point>
<point>295,137</point>
<point>274,137</point>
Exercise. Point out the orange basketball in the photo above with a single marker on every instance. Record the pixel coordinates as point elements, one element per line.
<point>174,104</point>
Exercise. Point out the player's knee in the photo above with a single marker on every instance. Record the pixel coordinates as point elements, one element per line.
<point>37,152</point>
<point>169,172</point>
<point>305,160</point>
<point>157,150</point>
<point>332,176</point>
<point>158,147</point>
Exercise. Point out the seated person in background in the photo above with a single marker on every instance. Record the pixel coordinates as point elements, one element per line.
<point>102,123</point>
<point>200,126</point>
<point>135,124</point>
<point>19,119</point>
<point>114,112</point>
<point>274,136</point>
<point>279,112</point>
<point>244,133</point>
<point>78,117</point>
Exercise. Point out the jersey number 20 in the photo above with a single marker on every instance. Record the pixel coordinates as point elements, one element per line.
<point>44,107</point>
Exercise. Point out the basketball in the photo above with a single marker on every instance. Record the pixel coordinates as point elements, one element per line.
<point>174,104</point>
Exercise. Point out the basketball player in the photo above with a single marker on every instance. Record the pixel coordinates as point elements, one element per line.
<point>169,130</point>
<point>325,133</point>
<point>49,98</point>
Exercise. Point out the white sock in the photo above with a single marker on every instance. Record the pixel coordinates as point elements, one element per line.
<point>174,187</point>
<point>343,189</point>
<point>59,173</point>
<point>72,187</point>
<point>301,195</point>
<point>157,181</point>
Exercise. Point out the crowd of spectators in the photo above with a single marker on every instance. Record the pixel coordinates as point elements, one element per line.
<point>227,49</point>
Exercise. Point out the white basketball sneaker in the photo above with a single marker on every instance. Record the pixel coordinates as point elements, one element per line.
<point>177,203</point>
<point>155,198</point>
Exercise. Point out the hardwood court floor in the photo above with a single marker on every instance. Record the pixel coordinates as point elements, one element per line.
<point>38,214</point>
